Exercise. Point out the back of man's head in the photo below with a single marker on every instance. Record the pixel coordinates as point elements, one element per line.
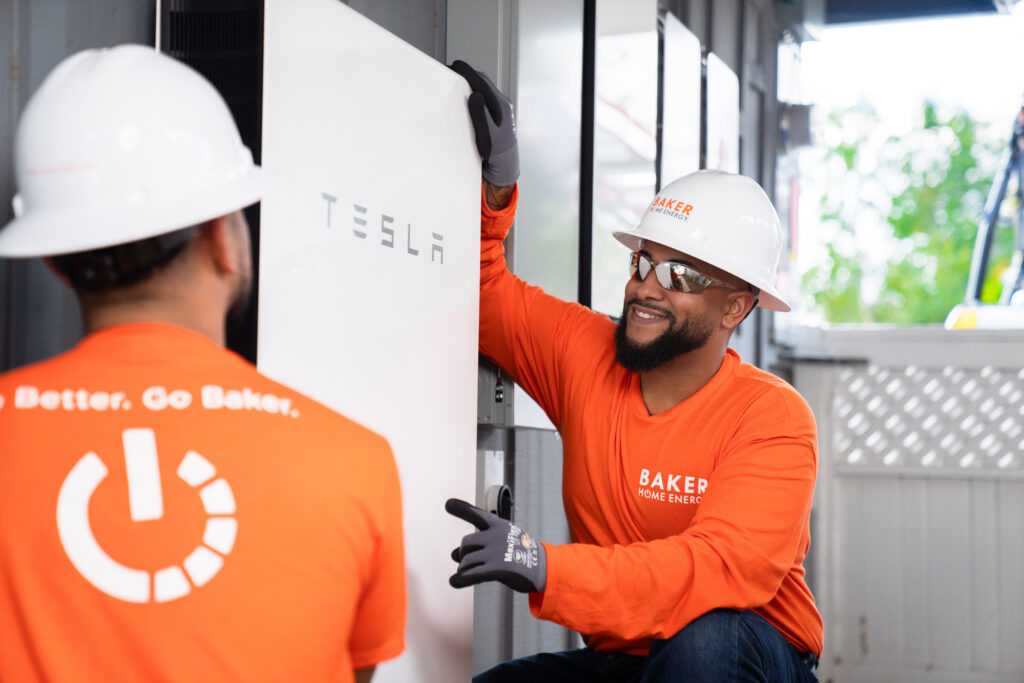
<point>121,265</point>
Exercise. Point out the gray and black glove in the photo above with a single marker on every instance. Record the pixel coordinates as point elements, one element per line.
<point>499,551</point>
<point>494,124</point>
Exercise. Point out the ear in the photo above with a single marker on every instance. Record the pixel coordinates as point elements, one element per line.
<point>218,240</point>
<point>738,306</point>
<point>64,280</point>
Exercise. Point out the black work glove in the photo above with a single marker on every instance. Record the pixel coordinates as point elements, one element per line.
<point>494,124</point>
<point>500,551</point>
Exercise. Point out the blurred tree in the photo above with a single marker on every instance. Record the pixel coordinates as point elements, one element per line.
<point>900,216</point>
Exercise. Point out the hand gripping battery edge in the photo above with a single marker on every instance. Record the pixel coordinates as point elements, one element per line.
<point>494,126</point>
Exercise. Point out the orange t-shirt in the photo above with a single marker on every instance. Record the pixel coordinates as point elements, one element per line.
<point>672,515</point>
<point>168,513</point>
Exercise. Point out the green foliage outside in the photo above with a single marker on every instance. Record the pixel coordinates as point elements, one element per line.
<point>900,218</point>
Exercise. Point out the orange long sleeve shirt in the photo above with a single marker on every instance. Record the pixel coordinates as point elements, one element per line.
<point>671,515</point>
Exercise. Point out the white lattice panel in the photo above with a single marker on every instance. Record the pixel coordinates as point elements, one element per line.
<point>925,417</point>
<point>917,545</point>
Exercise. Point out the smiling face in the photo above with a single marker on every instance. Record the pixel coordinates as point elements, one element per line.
<point>659,325</point>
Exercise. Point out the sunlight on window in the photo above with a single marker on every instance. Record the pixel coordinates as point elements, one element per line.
<point>910,119</point>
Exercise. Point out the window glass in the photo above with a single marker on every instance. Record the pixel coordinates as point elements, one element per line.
<point>625,137</point>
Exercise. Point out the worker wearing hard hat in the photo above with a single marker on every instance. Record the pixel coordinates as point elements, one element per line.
<point>167,512</point>
<point>688,474</point>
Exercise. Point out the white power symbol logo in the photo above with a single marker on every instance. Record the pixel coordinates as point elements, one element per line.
<point>145,500</point>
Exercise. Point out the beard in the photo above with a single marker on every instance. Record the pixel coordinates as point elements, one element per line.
<point>679,338</point>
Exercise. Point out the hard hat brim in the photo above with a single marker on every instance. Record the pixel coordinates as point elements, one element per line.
<point>44,231</point>
<point>769,297</point>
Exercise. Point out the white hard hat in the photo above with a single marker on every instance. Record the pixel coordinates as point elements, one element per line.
<point>121,144</point>
<point>723,219</point>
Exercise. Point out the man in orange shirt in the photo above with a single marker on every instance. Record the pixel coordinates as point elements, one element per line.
<point>167,512</point>
<point>688,474</point>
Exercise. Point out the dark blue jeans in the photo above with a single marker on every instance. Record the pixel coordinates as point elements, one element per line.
<point>718,647</point>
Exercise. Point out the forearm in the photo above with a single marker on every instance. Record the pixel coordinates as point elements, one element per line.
<point>661,585</point>
<point>500,291</point>
<point>497,197</point>
<point>495,223</point>
<point>519,323</point>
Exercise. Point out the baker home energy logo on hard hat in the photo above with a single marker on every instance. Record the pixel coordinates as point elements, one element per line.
<point>736,229</point>
<point>676,208</point>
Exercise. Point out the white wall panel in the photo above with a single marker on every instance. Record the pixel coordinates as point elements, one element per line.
<point>548,89</point>
<point>881,626</point>
<point>983,579</point>
<point>848,573</point>
<point>680,128</point>
<point>625,138</point>
<point>369,271</point>
<point>914,581</point>
<point>927,575</point>
<point>1010,587</point>
<point>949,537</point>
<point>723,116</point>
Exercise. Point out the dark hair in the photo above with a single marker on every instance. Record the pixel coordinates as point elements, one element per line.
<point>97,270</point>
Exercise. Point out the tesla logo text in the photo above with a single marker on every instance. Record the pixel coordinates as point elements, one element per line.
<point>382,226</point>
